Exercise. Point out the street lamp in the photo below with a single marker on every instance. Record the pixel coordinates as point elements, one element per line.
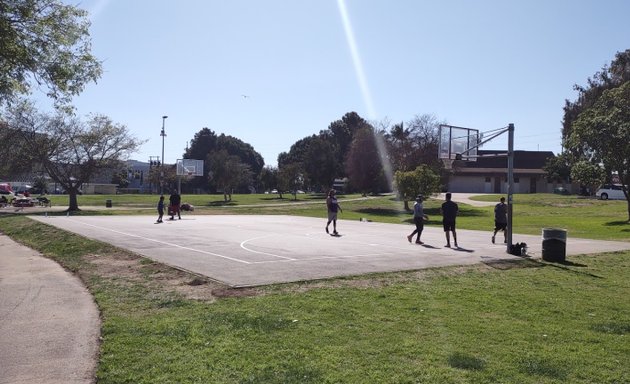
<point>163,134</point>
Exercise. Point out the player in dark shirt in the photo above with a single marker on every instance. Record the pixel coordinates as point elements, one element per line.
<point>449,214</point>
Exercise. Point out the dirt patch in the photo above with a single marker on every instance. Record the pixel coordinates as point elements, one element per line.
<point>129,269</point>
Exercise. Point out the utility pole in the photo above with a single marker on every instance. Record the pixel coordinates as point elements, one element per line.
<point>510,184</point>
<point>163,134</point>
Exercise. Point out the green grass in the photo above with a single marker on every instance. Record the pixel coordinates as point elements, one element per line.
<point>520,322</point>
<point>582,217</point>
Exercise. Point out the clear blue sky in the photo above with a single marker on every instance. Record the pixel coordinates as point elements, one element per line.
<point>478,64</point>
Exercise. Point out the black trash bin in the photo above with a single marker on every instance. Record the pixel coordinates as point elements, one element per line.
<point>554,245</point>
<point>108,203</point>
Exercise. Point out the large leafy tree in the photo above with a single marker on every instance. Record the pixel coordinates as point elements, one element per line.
<point>341,132</point>
<point>364,163</point>
<point>558,167</point>
<point>290,178</point>
<point>268,178</point>
<point>320,163</point>
<point>423,180</point>
<point>206,142</point>
<point>71,151</point>
<point>323,156</point>
<point>44,44</point>
<point>603,131</point>
<point>589,175</point>
<point>610,76</point>
<point>229,173</point>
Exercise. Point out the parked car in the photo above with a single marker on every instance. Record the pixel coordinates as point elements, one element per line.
<point>611,191</point>
<point>561,191</point>
<point>7,192</point>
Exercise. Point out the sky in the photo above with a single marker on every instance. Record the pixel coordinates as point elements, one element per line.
<point>272,72</point>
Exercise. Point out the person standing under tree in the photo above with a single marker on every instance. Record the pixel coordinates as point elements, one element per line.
<point>333,206</point>
<point>449,214</point>
<point>500,220</point>
<point>418,219</point>
<point>160,209</point>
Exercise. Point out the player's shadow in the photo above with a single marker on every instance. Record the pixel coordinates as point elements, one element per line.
<point>460,249</point>
<point>429,246</point>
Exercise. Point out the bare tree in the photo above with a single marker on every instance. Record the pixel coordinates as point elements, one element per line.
<point>70,150</point>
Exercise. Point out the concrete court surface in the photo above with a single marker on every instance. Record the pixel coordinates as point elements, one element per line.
<point>257,250</point>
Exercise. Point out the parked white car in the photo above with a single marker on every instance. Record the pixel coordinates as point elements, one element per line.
<point>610,191</point>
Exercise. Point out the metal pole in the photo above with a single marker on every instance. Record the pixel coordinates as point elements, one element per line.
<point>510,183</point>
<point>163,134</point>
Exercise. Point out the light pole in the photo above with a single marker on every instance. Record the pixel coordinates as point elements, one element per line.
<point>163,134</point>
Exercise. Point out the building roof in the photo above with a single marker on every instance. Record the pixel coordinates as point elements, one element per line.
<point>522,159</point>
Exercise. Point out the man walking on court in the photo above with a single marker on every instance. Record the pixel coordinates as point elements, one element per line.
<point>449,213</point>
<point>333,207</point>
<point>418,219</point>
<point>500,220</point>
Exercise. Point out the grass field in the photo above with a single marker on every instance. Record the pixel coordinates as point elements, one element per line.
<point>514,322</point>
<point>586,218</point>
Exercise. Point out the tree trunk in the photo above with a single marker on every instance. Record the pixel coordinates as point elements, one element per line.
<point>407,205</point>
<point>73,202</point>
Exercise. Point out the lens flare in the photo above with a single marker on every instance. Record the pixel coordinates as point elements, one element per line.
<point>356,59</point>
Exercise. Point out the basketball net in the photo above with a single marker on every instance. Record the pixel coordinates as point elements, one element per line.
<point>452,165</point>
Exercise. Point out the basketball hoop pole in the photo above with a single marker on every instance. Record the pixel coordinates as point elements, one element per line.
<point>510,183</point>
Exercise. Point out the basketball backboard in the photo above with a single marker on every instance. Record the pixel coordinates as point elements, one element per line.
<point>458,143</point>
<point>189,167</point>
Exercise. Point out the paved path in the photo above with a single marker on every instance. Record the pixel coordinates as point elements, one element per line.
<point>49,324</point>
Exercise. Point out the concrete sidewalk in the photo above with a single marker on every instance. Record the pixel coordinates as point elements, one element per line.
<point>49,323</point>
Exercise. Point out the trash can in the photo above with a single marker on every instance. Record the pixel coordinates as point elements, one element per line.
<point>108,203</point>
<point>554,245</point>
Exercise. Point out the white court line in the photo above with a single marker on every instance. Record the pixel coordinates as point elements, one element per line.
<point>163,242</point>
<point>262,253</point>
<point>322,258</point>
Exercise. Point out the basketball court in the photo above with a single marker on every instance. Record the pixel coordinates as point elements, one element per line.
<point>258,250</point>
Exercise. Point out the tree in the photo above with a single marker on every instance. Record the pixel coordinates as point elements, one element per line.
<point>229,172</point>
<point>320,162</point>
<point>70,150</point>
<point>558,167</point>
<point>268,178</point>
<point>364,164</point>
<point>423,180</point>
<point>290,178</point>
<point>44,43</point>
<point>416,144</point>
<point>587,174</point>
<point>206,142</point>
<point>612,76</point>
<point>400,147</point>
<point>604,130</point>
<point>121,177</point>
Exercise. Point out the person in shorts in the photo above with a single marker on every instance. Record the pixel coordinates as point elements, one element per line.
<point>333,206</point>
<point>500,220</point>
<point>449,211</point>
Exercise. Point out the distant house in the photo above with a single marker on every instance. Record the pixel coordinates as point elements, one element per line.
<point>489,174</point>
